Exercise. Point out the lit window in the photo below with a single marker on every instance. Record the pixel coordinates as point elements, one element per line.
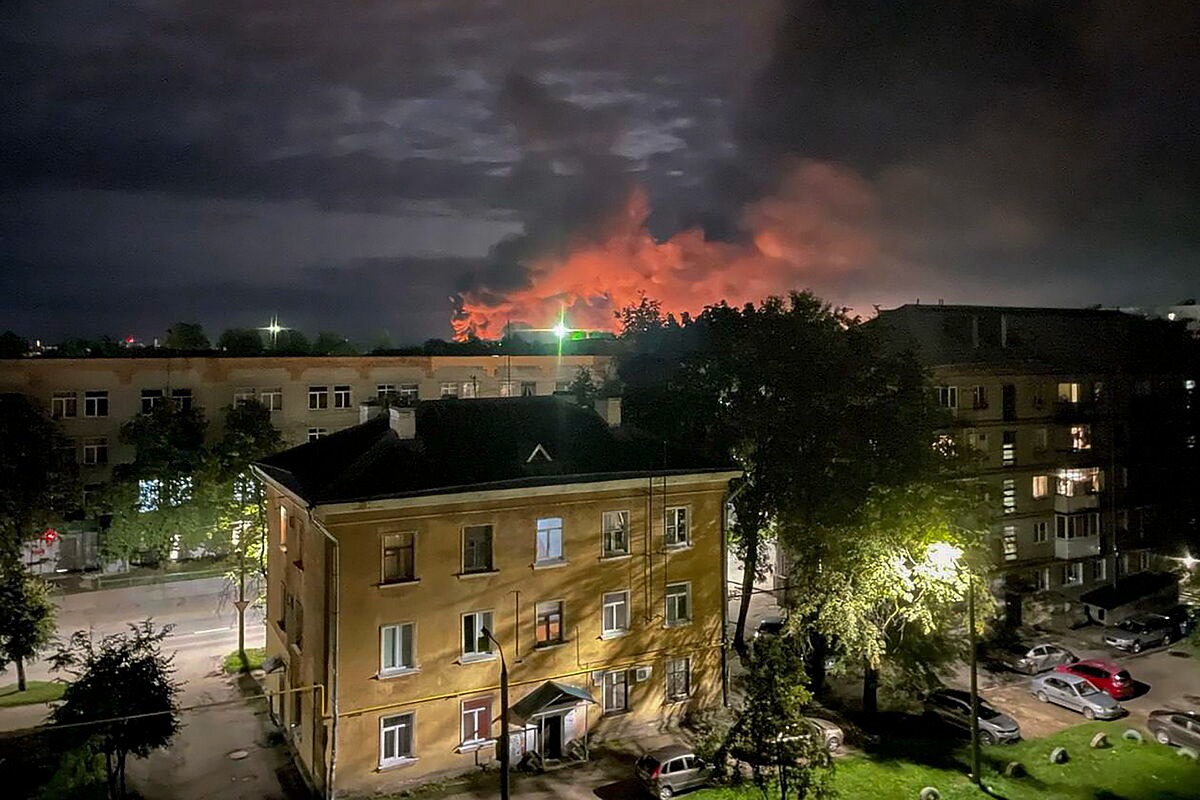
<point>678,532</point>
<point>95,451</point>
<point>64,405</point>
<point>341,397</point>
<point>148,494</point>
<point>477,548</point>
<point>95,404</point>
<point>399,557</point>
<point>1040,532</point>
<point>614,533</point>
<point>272,399</point>
<point>396,739</point>
<point>396,649</point>
<point>1081,437</point>
<point>318,398</point>
<point>507,389</point>
<point>317,433</point>
<point>616,691</point>
<point>1078,482</point>
<point>476,720</point>
<point>1068,393</point>
<point>549,623</point>
<point>1008,497</point>
<point>182,398</point>
<point>679,603</point>
<point>449,390</point>
<point>1041,486</point>
<point>549,540</point>
<point>614,615</point>
<point>679,678</point>
<point>1010,542</point>
<point>947,396</point>
<point>470,389</point>
<point>1008,448</point>
<point>475,643</point>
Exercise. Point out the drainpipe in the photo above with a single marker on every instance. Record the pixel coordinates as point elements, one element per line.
<point>331,769</point>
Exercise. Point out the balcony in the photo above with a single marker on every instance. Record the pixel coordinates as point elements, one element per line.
<point>1079,502</point>
<point>1077,547</point>
<point>1065,411</point>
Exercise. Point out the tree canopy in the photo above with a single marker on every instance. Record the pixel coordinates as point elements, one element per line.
<point>241,342</point>
<point>187,336</point>
<point>27,615</point>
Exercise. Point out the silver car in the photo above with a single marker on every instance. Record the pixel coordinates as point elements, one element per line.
<point>828,732</point>
<point>1032,659</point>
<point>1137,633</point>
<point>1076,694</point>
<point>671,770</point>
<point>953,706</point>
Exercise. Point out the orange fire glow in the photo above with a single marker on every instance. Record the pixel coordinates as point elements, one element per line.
<point>820,223</point>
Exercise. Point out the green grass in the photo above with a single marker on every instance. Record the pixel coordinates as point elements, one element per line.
<point>1124,771</point>
<point>254,659</point>
<point>35,692</point>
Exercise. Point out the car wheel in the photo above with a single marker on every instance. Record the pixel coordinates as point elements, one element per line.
<point>1162,737</point>
<point>665,793</point>
<point>1166,639</point>
<point>1137,646</point>
<point>1042,696</point>
<point>1088,713</point>
<point>834,744</point>
<point>986,738</point>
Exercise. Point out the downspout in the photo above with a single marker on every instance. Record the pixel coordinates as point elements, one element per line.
<point>331,769</point>
<point>725,503</point>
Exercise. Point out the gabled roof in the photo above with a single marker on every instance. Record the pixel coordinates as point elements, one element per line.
<point>472,445</point>
<point>550,696</point>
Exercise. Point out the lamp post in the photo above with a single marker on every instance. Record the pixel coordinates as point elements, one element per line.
<point>948,557</point>
<point>504,765</point>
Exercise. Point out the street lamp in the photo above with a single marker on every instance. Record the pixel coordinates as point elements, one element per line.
<point>504,766</point>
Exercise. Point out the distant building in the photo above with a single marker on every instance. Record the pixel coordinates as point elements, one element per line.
<point>1084,423</point>
<point>591,555</point>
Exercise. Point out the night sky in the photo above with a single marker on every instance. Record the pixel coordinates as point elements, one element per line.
<point>365,166</point>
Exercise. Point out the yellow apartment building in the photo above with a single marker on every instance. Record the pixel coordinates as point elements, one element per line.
<point>592,555</point>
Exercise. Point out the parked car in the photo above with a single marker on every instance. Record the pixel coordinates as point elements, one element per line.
<point>1185,617</point>
<point>671,770</point>
<point>1107,676</point>
<point>829,732</point>
<point>953,706</point>
<point>1137,633</point>
<point>1029,658</point>
<point>1175,727</point>
<point>1076,694</point>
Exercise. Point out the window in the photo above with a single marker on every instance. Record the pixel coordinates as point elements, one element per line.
<point>272,399</point>
<point>528,388</point>
<point>614,533</point>
<point>679,603</point>
<point>948,396</point>
<point>408,393</point>
<point>318,397</point>
<point>1040,532</point>
<point>616,692</point>
<point>476,720</point>
<point>477,548</point>
<point>977,440</point>
<point>549,540</point>
<point>678,530</point>
<point>1041,579</point>
<point>470,389</point>
<point>1068,393</point>
<point>399,557</point>
<point>1143,561</point>
<point>341,397</point>
<point>149,492</point>
<point>507,389</point>
<point>243,395</point>
<point>1041,440</point>
<point>1010,542</point>
<point>979,398</point>
<point>95,451</point>
<point>284,522</point>
<point>476,644</point>
<point>150,399</point>
<point>1008,448</point>
<point>317,433</point>
<point>1081,437</point>
<point>1041,486</point>
<point>396,739</point>
<point>1099,569</point>
<point>1076,526</point>
<point>449,390</point>
<point>396,649</point>
<point>614,614</point>
<point>1008,496</point>
<point>679,678</point>
<point>1072,573</point>
<point>182,398</point>
<point>64,405</point>
<point>95,404</point>
<point>385,390</point>
<point>549,622</point>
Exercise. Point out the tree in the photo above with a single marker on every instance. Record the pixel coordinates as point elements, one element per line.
<point>27,618</point>
<point>187,336</point>
<point>583,387</point>
<point>241,342</point>
<point>12,345</point>
<point>329,343</point>
<point>126,686</point>
<point>39,479</point>
<point>291,343</point>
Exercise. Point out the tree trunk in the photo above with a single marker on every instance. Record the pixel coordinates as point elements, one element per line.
<point>750,569</point>
<point>20,662</point>
<point>110,776</point>
<point>121,756</point>
<point>870,697</point>
<point>816,666</point>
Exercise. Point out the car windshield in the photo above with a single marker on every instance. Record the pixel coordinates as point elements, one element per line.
<point>1084,688</point>
<point>1132,627</point>
<point>987,712</point>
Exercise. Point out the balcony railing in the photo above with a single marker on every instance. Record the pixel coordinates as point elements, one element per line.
<point>1079,502</point>
<point>1078,547</point>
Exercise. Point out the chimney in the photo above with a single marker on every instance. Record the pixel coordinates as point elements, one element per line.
<point>367,410</point>
<point>609,409</point>
<point>1004,330</point>
<point>403,421</point>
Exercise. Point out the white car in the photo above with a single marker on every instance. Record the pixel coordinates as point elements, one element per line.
<point>1076,694</point>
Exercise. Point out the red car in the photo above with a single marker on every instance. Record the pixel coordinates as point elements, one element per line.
<point>1112,679</point>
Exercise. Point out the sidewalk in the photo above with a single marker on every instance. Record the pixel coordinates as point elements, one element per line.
<point>19,718</point>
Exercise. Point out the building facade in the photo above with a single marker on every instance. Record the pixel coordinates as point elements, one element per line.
<point>1082,425</point>
<point>411,553</point>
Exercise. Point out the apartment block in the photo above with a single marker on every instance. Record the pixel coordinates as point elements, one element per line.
<point>409,555</point>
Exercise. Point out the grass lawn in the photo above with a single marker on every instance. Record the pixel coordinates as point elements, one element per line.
<point>254,656</point>
<point>1123,771</point>
<point>35,692</point>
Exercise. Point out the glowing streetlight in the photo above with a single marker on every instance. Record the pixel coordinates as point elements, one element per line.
<point>274,329</point>
<point>559,330</point>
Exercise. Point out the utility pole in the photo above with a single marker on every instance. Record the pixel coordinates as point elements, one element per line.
<point>504,765</point>
<point>975,777</point>
<point>241,601</point>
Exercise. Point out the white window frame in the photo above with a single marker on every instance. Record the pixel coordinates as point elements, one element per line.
<point>398,722</point>
<point>449,389</point>
<point>93,450</point>
<point>1039,487</point>
<point>548,547</point>
<point>1008,496</point>
<point>384,578</point>
<point>607,530</point>
<point>1009,542</point>
<point>618,601</point>
<point>243,395</point>
<point>409,391</point>
<point>948,396</point>
<point>62,402</point>
<point>402,630</point>
<point>383,390</point>
<point>610,684</point>
<point>318,397</point>
<point>317,433</point>
<point>272,399</point>
<point>672,673</point>
<point>1073,573</point>
<point>182,399</point>
<point>470,390</point>
<point>479,621</point>
<point>343,396</point>
<point>671,604</point>
<point>678,517</point>
<point>465,713</point>
<point>1041,532</point>
<point>95,403</point>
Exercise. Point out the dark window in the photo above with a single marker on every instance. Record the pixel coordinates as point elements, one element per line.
<point>182,399</point>
<point>399,557</point>
<point>477,548</point>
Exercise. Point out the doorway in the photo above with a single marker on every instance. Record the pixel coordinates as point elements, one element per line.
<point>552,736</point>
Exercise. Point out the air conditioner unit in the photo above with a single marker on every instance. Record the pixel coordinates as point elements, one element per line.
<point>641,674</point>
<point>598,677</point>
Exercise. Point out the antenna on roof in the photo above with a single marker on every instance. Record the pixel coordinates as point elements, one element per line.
<point>940,301</point>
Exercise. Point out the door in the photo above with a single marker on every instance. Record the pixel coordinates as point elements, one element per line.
<point>1039,657</point>
<point>552,736</point>
<point>689,773</point>
<point>1012,610</point>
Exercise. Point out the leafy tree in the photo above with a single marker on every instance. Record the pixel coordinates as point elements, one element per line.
<point>891,584</point>
<point>642,319</point>
<point>12,345</point>
<point>125,675</point>
<point>329,343</point>
<point>187,336</point>
<point>291,343</point>
<point>241,342</point>
<point>583,387</point>
<point>39,479</point>
<point>27,614</point>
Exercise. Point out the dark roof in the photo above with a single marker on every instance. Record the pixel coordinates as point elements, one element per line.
<point>1058,339</point>
<point>550,696</point>
<point>1127,590</point>
<point>468,445</point>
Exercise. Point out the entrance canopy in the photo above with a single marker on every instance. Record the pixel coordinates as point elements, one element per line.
<point>548,698</point>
